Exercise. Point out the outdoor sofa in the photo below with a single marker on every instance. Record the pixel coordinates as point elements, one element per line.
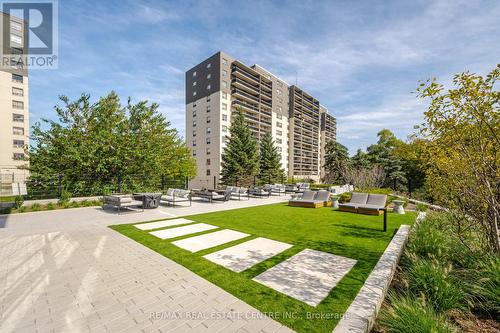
<point>238,192</point>
<point>259,192</point>
<point>212,195</point>
<point>175,196</point>
<point>120,200</point>
<point>312,199</point>
<point>364,203</point>
<point>275,189</point>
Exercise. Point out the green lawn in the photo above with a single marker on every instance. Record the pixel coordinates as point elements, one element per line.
<point>350,235</point>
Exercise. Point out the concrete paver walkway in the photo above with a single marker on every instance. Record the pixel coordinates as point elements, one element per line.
<point>307,276</point>
<point>206,241</point>
<point>65,271</point>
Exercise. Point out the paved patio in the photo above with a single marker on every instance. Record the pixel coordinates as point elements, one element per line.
<point>66,271</point>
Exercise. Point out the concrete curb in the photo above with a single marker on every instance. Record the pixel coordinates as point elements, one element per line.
<point>361,314</point>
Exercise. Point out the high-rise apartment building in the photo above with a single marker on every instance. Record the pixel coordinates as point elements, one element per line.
<point>14,108</point>
<point>299,124</point>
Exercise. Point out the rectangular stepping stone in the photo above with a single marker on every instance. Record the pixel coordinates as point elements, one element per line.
<point>161,224</point>
<point>181,231</point>
<point>307,276</point>
<point>242,256</point>
<point>202,242</point>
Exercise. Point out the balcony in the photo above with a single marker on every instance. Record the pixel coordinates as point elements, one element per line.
<point>245,95</point>
<point>245,105</point>
<point>245,85</point>
<point>243,74</point>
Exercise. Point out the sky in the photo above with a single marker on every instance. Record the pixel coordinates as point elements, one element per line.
<point>362,59</point>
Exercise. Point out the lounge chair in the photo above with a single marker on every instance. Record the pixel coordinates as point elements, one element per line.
<point>312,199</point>
<point>174,196</point>
<point>364,203</point>
<point>120,201</point>
<point>221,197</point>
<point>238,192</point>
<point>259,192</point>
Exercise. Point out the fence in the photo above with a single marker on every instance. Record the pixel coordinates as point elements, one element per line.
<point>58,185</point>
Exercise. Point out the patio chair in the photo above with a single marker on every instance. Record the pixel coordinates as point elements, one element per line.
<point>311,199</point>
<point>221,197</point>
<point>259,192</point>
<point>120,201</point>
<point>177,196</point>
<point>375,205</point>
<point>239,192</point>
<point>356,200</point>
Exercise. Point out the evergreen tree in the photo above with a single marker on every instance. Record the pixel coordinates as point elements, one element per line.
<point>270,161</point>
<point>336,162</point>
<point>240,159</point>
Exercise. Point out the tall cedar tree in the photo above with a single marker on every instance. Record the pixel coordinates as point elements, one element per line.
<point>270,161</point>
<point>240,159</point>
<point>336,162</point>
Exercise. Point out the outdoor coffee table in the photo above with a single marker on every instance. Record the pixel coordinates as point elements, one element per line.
<point>149,200</point>
<point>335,202</point>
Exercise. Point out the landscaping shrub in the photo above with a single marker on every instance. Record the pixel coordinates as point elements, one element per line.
<point>21,209</point>
<point>50,206</point>
<point>64,199</point>
<point>35,207</point>
<point>421,207</point>
<point>6,210</point>
<point>18,201</point>
<point>74,204</point>
<point>345,197</point>
<point>405,314</point>
<point>436,285</point>
<point>427,241</point>
<point>484,286</point>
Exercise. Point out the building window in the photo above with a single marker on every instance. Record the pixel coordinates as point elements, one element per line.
<point>18,118</point>
<point>224,84</point>
<point>194,104</point>
<point>224,128</point>
<point>224,117</point>
<point>194,143</point>
<point>18,143</point>
<point>17,91</point>
<point>224,61</point>
<point>208,87</point>
<point>194,123</point>
<point>278,91</point>
<point>17,78</point>
<point>208,151</point>
<point>224,139</point>
<point>18,105</point>
<point>194,113</point>
<point>16,39</point>
<point>279,116</point>
<point>18,130</point>
<point>194,84</point>
<point>194,93</point>
<point>278,132</point>
<point>209,141</point>
<point>16,26</point>
<point>194,133</point>
<point>208,108</point>
<point>224,95</point>
<point>208,99</point>
<point>278,124</point>
<point>280,109</point>
<point>224,107</point>
<point>208,161</point>
<point>209,130</point>
<point>224,72</point>
<point>208,172</point>
<point>209,76</point>
<point>194,74</point>
<point>194,152</point>
<point>279,141</point>
<point>280,99</point>
<point>18,156</point>
<point>208,120</point>
<point>209,65</point>
<point>279,149</point>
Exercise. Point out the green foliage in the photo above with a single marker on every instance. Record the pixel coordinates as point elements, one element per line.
<point>50,206</point>
<point>484,285</point>
<point>6,210</point>
<point>18,201</point>
<point>270,161</point>
<point>240,159</point>
<point>74,204</point>
<point>421,207</point>
<point>64,198</point>
<point>463,126</point>
<point>21,209</point>
<point>336,162</point>
<point>360,160</point>
<point>436,284</point>
<point>35,207</point>
<point>406,314</point>
<point>93,144</point>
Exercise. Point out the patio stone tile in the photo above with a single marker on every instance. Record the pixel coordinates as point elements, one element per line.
<point>181,231</point>
<point>206,241</point>
<point>307,276</point>
<point>242,256</point>
<point>162,224</point>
